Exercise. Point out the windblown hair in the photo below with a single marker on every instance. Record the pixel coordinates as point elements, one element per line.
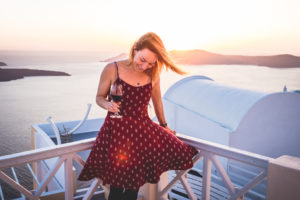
<point>153,42</point>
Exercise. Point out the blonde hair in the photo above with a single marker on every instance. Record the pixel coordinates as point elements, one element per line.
<point>153,42</point>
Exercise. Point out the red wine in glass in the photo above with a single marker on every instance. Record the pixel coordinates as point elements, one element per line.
<point>116,92</point>
<point>116,98</point>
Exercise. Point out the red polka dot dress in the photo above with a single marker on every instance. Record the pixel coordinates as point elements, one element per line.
<point>133,150</point>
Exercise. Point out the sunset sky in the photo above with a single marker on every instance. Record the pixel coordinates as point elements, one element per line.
<point>249,27</point>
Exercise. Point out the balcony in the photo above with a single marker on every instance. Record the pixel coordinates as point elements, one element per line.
<point>67,154</point>
<point>221,169</point>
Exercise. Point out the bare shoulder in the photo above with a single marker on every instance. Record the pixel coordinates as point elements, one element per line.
<point>109,71</point>
<point>109,68</point>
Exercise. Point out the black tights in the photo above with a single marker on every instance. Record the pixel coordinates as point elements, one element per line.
<point>122,194</point>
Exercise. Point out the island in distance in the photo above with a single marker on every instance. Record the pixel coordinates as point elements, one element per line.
<point>115,58</point>
<point>14,74</point>
<point>3,64</point>
<point>201,57</point>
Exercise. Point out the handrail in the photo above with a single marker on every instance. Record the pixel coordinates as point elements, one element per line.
<point>58,150</point>
<point>65,154</point>
<point>226,151</point>
<point>56,130</point>
<point>83,120</point>
<point>45,153</point>
<point>209,152</point>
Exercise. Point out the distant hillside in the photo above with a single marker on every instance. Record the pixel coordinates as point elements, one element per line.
<point>14,74</point>
<point>200,57</point>
<point>3,64</point>
<point>115,58</point>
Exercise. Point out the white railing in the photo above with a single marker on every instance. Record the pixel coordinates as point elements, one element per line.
<point>56,130</point>
<point>208,153</point>
<point>67,153</point>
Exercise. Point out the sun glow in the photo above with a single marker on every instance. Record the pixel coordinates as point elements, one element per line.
<point>231,25</point>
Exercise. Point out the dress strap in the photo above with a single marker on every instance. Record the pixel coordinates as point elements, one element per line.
<point>117,69</point>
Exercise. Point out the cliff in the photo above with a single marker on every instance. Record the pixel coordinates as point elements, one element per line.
<point>3,64</point>
<point>116,58</point>
<point>13,74</point>
<point>200,57</point>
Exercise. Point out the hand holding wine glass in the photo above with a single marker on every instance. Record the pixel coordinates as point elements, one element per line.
<point>116,92</point>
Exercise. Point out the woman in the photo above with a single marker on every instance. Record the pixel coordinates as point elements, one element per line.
<point>133,150</point>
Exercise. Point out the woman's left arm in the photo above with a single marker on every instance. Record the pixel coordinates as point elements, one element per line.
<point>158,105</point>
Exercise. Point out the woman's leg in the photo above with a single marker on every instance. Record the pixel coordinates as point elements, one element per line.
<point>130,194</point>
<point>115,193</point>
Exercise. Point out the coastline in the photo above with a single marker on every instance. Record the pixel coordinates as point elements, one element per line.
<point>201,57</point>
<point>3,64</point>
<point>14,74</point>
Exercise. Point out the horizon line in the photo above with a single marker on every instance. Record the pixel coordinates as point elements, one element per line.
<point>118,52</point>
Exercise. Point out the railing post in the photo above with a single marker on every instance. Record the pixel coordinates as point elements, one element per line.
<point>69,178</point>
<point>162,184</point>
<point>283,178</point>
<point>206,176</point>
<point>152,191</point>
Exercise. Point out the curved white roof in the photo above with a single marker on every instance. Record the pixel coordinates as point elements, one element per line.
<point>224,105</point>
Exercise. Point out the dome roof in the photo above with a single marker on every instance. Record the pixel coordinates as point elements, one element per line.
<point>221,104</point>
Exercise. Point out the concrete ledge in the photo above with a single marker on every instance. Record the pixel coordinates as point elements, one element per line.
<point>284,178</point>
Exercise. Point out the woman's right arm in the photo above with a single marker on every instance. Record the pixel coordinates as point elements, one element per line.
<point>106,79</point>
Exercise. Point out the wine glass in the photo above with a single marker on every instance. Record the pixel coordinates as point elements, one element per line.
<point>116,92</point>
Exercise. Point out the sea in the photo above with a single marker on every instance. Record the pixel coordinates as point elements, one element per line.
<point>31,100</point>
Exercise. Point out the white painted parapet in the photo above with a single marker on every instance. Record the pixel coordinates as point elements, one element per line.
<point>284,178</point>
